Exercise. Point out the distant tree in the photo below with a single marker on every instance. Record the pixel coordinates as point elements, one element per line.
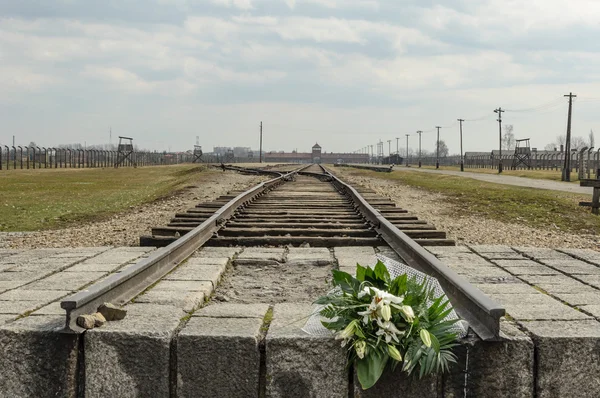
<point>443,149</point>
<point>508,137</point>
<point>32,144</point>
<point>578,143</point>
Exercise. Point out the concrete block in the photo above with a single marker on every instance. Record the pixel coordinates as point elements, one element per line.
<point>593,280</point>
<point>211,252</point>
<point>6,318</point>
<point>300,365</point>
<point>91,266</point>
<point>233,311</point>
<point>20,307</point>
<point>187,286</point>
<point>578,299</point>
<point>557,311</point>
<point>538,253</point>
<point>568,358</point>
<point>213,262</point>
<point>540,280</point>
<point>493,369</point>
<point>37,359</point>
<point>444,250</point>
<point>395,384</point>
<point>219,357</point>
<point>50,309</point>
<point>489,249</point>
<point>583,254</point>
<point>33,295</point>
<point>66,281</point>
<point>309,256</point>
<point>538,270</point>
<point>260,256</point>
<point>506,288</point>
<point>503,256</point>
<point>185,300</point>
<point>517,263</point>
<point>23,277</point>
<point>196,273</point>
<point>131,357</point>
<point>592,309</point>
<point>579,268</point>
<point>7,285</point>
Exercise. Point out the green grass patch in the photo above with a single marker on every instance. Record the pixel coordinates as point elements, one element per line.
<point>32,200</point>
<point>552,175</point>
<point>537,208</point>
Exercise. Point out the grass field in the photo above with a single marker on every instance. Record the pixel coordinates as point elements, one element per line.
<point>40,199</point>
<point>534,207</point>
<point>554,175</point>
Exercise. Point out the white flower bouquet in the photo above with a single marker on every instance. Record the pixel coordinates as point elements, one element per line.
<point>387,320</point>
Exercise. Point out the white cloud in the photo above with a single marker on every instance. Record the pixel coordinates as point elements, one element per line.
<point>241,4</point>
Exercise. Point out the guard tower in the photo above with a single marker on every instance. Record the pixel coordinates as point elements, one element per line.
<point>229,156</point>
<point>316,153</point>
<point>522,154</point>
<point>198,154</point>
<point>124,151</point>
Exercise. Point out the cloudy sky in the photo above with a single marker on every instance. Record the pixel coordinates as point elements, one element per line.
<point>345,73</point>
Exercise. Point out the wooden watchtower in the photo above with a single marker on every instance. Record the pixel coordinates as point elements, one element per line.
<point>522,154</point>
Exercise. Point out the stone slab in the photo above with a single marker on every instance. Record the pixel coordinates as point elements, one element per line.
<point>205,273</point>
<point>219,357</point>
<point>443,250</point>
<point>33,295</point>
<point>505,288</point>
<point>301,365</point>
<point>23,277</point>
<point>233,311</point>
<point>536,270</point>
<point>592,309</point>
<point>583,254</point>
<point>568,358</point>
<point>517,263</point>
<point>37,360</point>
<point>20,307</point>
<point>188,286</point>
<point>309,256</point>
<point>260,256</point>
<point>131,357</point>
<point>578,299</point>
<point>50,309</point>
<point>396,384</point>
<point>186,300</point>
<point>215,262</point>
<point>538,253</point>
<point>6,318</point>
<point>67,281</point>
<point>489,249</point>
<point>91,266</point>
<point>503,369</point>
<point>218,252</point>
<point>556,311</point>
<point>579,268</point>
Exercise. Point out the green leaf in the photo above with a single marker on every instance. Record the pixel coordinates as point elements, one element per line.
<point>360,272</point>
<point>381,272</point>
<point>345,281</point>
<point>370,368</point>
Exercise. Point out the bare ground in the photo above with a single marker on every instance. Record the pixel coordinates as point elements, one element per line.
<point>467,229</point>
<point>124,229</point>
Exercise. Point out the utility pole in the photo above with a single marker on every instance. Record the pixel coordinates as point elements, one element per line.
<point>462,165</point>
<point>397,152</point>
<point>389,151</point>
<point>499,112</point>
<point>437,156</point>
<point>566,174</point>
<point>419,132</point>
<point>406,149</point>
<point>260,149</point>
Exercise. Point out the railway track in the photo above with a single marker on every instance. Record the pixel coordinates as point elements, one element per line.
<point>308,210</point>
<point>308,206</point>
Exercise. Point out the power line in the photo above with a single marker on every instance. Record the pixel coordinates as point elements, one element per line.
<point>545,105</point>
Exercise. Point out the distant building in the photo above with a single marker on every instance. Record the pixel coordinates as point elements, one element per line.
<point>316,156</point>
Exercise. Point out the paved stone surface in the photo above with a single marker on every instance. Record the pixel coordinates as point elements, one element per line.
<point>207,252</point>
<point>37,360</point>
<point>309,256</point>
<point>67,281</point>
<point>219,357</point>
<point>131,357</point>
<point>568,360</point>
<point>233,311</point>
<point>260,256</point>
<point>186,300</point>
<point>299,365</point>
<point>348,257</point>
<point>195,272</point>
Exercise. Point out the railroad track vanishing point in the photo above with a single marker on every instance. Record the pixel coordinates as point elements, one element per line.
<point>305,207</point>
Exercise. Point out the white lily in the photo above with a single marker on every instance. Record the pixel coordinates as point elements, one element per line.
<point>389,331</point>
<point>370,313</point>
<point>361,348</point>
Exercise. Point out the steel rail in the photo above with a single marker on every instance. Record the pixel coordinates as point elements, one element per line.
<point>121,287</point>
<point>472,305</point>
